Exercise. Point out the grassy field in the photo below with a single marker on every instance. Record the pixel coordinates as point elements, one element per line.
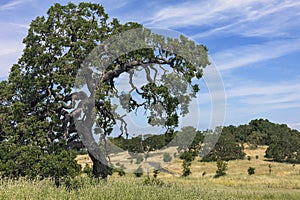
<point>282,183</point>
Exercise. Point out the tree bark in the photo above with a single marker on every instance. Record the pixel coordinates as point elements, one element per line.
<point>100,170</point>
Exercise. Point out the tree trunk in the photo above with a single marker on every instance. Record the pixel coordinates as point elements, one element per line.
<point>100,170</point>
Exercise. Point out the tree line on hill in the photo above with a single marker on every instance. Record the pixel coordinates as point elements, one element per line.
<point>283,142</point>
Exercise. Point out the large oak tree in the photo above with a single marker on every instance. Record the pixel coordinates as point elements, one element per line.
<point>41,113</point>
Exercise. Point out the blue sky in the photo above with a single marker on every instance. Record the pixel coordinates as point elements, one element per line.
<point>255,45</point>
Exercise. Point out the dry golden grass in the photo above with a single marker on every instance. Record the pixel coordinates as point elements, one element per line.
<point>282,183</point>
<point>236,168</point>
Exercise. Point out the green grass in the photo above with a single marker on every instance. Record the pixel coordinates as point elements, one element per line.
<point>130,187</point>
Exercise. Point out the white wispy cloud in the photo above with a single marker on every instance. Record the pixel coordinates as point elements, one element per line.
<point>255,97</point>
<point>249,54</point>
<point>12,4</point>
<point>247,18</point>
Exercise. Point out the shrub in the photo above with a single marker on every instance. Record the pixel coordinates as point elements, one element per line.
<point>155,173</point>
<point>147,155</point>
<point>251,171</point>
<point>111,169</point>
<point>88,170</point>
<point>121,171</point>
<point>153,181</point>
<point>139,159</point>
<point>248,158</point>
<point>167,157</point>
<point>187,158</point>
<point>139,171</point>
<point>221,168</point>
<point>186,168</point>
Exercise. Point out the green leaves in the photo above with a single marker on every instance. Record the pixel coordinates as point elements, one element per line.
<point>39,100</point>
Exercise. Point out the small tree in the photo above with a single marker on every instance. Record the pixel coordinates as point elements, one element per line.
<point>186,168</point>
<point>222,168</point>
<point>251,171</point>
<point>139,171</point>
<point>167,157</point>
<point>187,158</point>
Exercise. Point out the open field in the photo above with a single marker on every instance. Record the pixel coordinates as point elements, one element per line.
<point>128,187</point>
<point>282,183</point>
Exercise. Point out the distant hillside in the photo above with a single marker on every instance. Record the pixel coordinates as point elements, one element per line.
<point>283,142</point>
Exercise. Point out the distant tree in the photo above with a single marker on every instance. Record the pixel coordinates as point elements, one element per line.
<point>167,157</point>
<point>186,165</point>
<point>187,158</point>
<point>249,158</point>
<point>285,148</point>
<point>154,142</point>
<point>251,171</point>
<point>225,149</point>
<point>139,159</point>
<point>221,168</point>
<point>184,139</point>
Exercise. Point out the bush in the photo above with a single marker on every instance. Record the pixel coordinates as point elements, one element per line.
<point>139,171</point>
<point>186,168</point>
<point>153,181</point>
<point>111,169</point>
<point>88,170</point>
<point>251,171</point>
<point>187,158</point>
<point>167,157</point>
<point>221,168</point>
<point>248,158</point>
<point>155,173</point>
<point>121,171</point>
<point>139,159</point>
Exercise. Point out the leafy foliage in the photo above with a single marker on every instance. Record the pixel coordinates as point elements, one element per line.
<point>251,171</point>
<point>221,168</point>
<point>167,157</point>
<point>187,158</point>
<point>226,148</point>
<point>139,159</point>
<point>139,171</point>
<point>38,109</point>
